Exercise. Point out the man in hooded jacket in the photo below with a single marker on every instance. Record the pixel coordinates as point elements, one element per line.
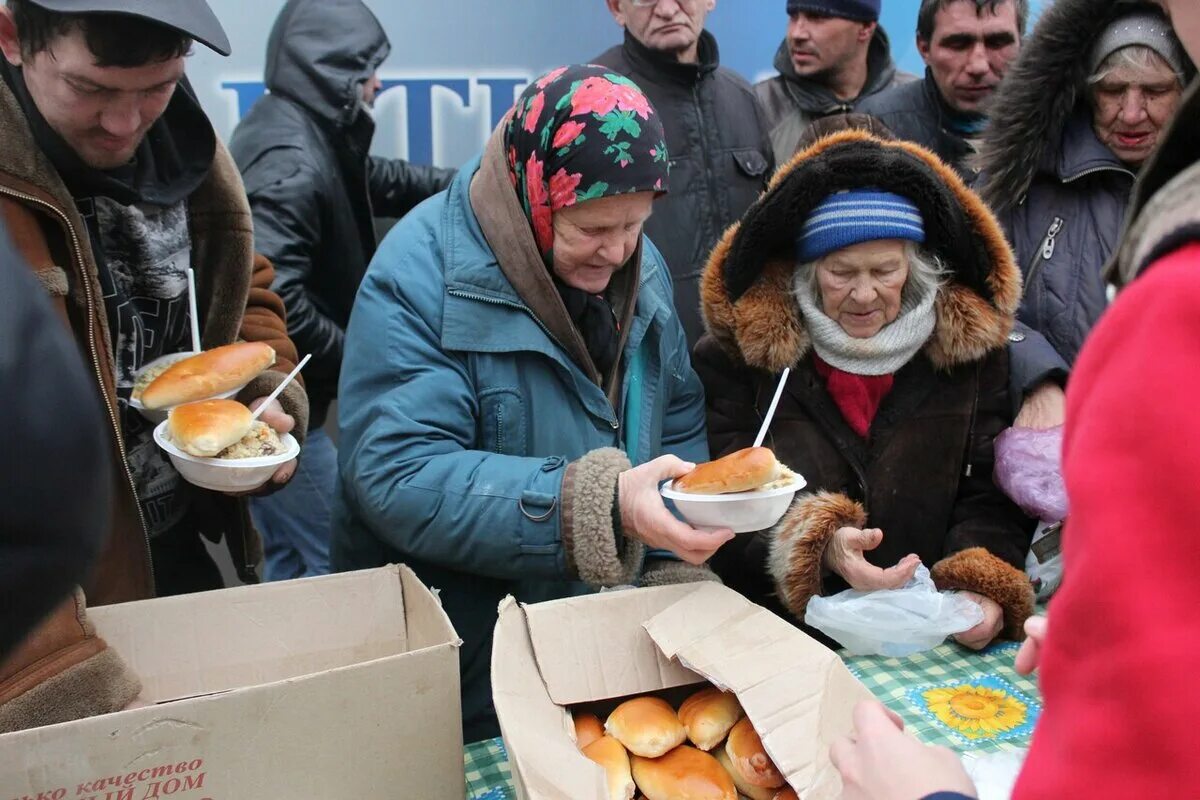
<point>314,191</point>
<point>834,56</point>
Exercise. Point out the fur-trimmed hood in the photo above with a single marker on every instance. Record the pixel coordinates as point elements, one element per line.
<point>1041,92</point>
<point>746,289</point>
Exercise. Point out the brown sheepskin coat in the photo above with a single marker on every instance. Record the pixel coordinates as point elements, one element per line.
<point>924,473</point>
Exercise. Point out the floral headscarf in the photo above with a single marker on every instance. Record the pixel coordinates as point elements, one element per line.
<point>579,133</point>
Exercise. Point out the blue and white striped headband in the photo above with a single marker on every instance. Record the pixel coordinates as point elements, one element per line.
<point>854,216</point>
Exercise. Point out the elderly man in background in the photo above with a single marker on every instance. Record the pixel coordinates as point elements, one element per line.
<point>834,56</point>
<point>716,134</point>
<point>967,46</point>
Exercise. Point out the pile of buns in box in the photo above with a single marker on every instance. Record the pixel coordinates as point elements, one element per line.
<point>708,750</point>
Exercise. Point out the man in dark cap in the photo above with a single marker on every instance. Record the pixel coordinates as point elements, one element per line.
<point>112,184</point>
<point>834,56</point>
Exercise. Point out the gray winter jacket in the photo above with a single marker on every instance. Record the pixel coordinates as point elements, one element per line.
<point>792,102</point>
<point>1059,192</point>
<point>313,188</point>
<point>720,158</point>
<point>915,111</point>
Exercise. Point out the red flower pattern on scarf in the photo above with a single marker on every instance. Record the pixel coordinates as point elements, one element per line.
<point>562,189</point>
<point>539,203</point>
<point>568,133</point>
<point>600,96</point>
<point>535,112</point>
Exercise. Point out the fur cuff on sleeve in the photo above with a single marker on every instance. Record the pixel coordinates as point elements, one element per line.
<point>798,544</point>
<point>596,552</point>
<point>100,685</point>
<point>669,573</point>
<point>977,570</point>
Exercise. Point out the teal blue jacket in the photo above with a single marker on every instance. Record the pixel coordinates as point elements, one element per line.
<point>459,414</point>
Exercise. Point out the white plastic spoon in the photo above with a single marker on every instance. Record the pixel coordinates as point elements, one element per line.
<point>192,309</point>
<point>762,432</point>
<point>278,389</point>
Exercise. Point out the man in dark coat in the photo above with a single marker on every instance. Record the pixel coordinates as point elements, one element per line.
<point>314,192</point>
<point>716,135</point>
<point>967,46</point>
<point>834,56</point>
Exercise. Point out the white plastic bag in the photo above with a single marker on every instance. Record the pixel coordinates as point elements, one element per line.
<point>1044,563</point>
<point>994,774</point>
<point>893,622</point>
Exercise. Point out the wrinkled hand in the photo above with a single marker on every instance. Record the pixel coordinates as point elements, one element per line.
<point>881,762</point>
<point>1045,407</point>
<point>982,634</point>
<point>844,555</point>
<point>1031,649</point>
<point>282,422</point>
<point>646,518</point>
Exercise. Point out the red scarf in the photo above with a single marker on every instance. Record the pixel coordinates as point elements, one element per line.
<point>857,396</point>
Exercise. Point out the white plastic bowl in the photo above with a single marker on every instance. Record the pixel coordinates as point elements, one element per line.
<point>741,512</point>
<point>226,474</point>
<point>160,414</point>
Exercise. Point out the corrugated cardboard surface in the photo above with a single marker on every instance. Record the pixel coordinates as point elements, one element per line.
<point>360,700</point>
<point>797,692</point>
<point>548,656</point>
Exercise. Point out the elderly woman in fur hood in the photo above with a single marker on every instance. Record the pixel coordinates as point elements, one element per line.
<point>1086,104</point>
<point>887,286</point>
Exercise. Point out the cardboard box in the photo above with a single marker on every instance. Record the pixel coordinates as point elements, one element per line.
<point>340,686</point>
<point>551,656</point>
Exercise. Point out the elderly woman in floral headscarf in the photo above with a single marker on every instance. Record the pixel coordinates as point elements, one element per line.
<point>516,381</point>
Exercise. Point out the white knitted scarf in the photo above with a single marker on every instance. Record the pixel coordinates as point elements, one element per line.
<point>884,353</point>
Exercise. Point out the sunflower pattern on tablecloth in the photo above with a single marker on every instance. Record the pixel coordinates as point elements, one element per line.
<point>983,708</point>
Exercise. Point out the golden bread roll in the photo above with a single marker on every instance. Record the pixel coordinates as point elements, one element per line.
<point>206,428</point>
<point>744,789</point>
<point>708,715</point>
<point>587,729</point>
<point>608,753</point>
<point>750,759</point>
<point>207,374</point>
<point>788,793</point>
<point>647,726</point>
<point>685,773</point>
<point>742,471</point>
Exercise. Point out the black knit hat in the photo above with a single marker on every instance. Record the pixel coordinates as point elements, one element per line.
<point>860,10</point>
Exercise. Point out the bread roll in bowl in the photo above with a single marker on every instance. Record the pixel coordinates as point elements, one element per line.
<point>788,793</point>
<point>207,374</point>
<point>587,729</point>
<point>608,753</point>
<point>750,759</point>
<point>708,716</point>
<point>207,427</point>
<point>647,726</point>
<point>741,471</point>
<point>685,773</point>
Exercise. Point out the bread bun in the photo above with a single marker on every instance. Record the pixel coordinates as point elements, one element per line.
<point>647,726</point>
<point>608,753</point>
<point>744,789</point>
<point>750,759</point>
<point>708,715</point>
<point>685,773</point>
<point>742,471</point>
<point>206,428</point>
<point>587,729</point>
<point>207,374</point>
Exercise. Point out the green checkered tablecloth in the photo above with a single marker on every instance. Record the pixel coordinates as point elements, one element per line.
<point>950,696</point>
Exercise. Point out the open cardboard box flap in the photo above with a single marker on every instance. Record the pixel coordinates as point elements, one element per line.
<point>797,692</point>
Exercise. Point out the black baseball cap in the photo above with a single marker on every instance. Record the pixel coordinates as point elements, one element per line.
<point>191,17</point>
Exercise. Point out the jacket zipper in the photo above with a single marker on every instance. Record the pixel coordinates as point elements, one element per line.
<point>1045,251</point>
<point>968,469</point>
<point>616,425</point>
<point>95,353</point>
<point>1094,170</point>
<point>712,188</point>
